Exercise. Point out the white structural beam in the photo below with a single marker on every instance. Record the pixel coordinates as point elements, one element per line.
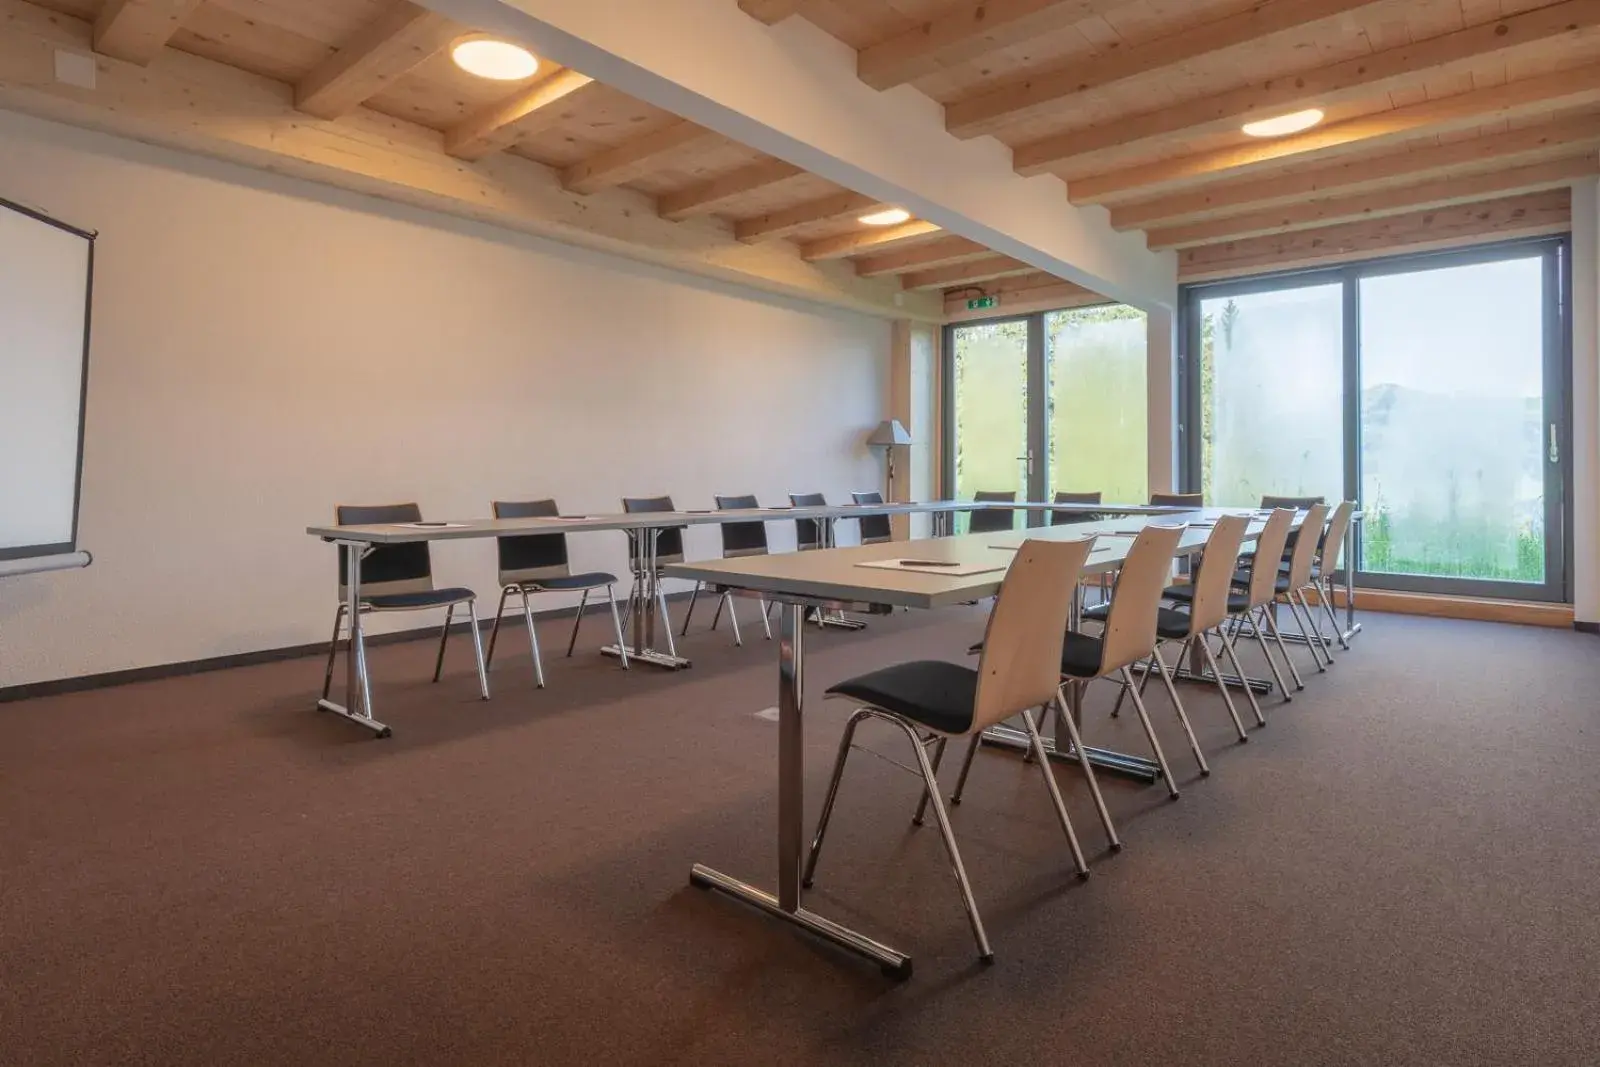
<point>791,91</point>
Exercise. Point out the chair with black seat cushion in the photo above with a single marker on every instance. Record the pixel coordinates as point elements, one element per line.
<point>669,549</point>
<point>810,534</point>
<point>1259,584</point>
<point>1067,518</point>
<point>1177,500</point>
<point>1326,565</point>
<point>1208,609</point>
<point>1293,581</point>
<point>993,520</point>
<point>399,577</point>
<point>875,529</point>
<point>1298,503</point>
<point>738,539</point>
<point>531,564</point>
<point>931,701</point>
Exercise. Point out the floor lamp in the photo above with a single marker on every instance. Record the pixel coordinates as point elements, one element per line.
<point>889,435</point>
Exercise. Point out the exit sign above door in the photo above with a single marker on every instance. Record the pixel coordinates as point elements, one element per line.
<point>979,303</point>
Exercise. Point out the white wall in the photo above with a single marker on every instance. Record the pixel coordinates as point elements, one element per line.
<point>264,348</point>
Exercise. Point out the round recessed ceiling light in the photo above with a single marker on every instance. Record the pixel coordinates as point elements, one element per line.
<point>499,60</point>
<point>1284,124</point>
<point>886,217</point>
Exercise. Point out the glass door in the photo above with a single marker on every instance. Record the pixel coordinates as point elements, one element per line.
<point>1096,404</point>
<point>990,409</point>
<point>1461,457</point>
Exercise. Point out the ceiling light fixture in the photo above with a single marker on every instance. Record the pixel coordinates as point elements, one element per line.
<point>1283,125</point>
<point>488,57</point>
<point>886,217</point>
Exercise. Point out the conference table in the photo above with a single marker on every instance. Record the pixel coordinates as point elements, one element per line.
<point>838,578</point>
<point>643,529</point>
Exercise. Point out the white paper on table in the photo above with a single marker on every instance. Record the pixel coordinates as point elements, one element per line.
<point>960,570</point>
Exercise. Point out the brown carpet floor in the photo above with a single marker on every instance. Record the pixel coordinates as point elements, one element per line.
<point>1402,868</point>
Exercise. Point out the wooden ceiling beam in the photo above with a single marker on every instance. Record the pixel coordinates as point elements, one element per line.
<point>389,46</point>
<point>868,239</point>
<point>770,11</point>
<point>977,270</point>
<point>633,159</point>
<point>715,194</point>
<point>1442,192</point>
<point>137,30</point>
<point>1472,108</point>
<point>1363,76</point>
<point>970,29</point>
<point>503,124</point>
<point>1043,92</point>
<point>941,253</point>
<point>831,208</point>
<point>1521,146</point>
<point>1518,216</point>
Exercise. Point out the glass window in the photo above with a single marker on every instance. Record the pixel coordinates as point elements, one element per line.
<point>990,381</point>
<point>1096,402</point>
<point>1271,395</point>
<point>1452,421</point>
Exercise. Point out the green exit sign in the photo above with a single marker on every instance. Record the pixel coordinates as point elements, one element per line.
<point>979,303</point>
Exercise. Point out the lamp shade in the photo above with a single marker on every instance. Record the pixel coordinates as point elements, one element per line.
<point>889,434</point>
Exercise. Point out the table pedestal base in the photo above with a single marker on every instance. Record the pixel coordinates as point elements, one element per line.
<point>1135,767</point>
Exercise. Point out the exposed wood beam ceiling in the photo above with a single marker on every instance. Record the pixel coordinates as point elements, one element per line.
<point>1443,120</point>
<point>635,158</point>
<point>1337,82</point>
<point>137,30</point>
<point>832,208</point>
<point>715,194</point>
<point>398,40</point>
<point>503,124</point>
<point>870,240</point>
<point>770,11</point>
<point>1047,91</point>
<point>965,273</point>
<point>940,253</point>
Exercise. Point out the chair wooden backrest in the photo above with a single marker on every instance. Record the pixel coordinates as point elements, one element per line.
<point>669,539</point>
<point>1178,500</point>
<point>1067,518</point>
<point>875,529</point>
<point>1333,541</point>
<point>1130,632</point>
<point>742,538</point>
<point>1214,579</point>
<point>992,521</point>
<point>401,568</point>
<point>1269,552</point>
<point>530,557</point>
<point>1305,548</point>
<point>1021,663</point>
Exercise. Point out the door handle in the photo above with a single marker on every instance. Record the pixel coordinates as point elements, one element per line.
<point>1028,459</point>
<point>1555,448</point>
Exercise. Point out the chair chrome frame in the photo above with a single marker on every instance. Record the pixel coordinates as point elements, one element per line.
<point>419,581</point>
<point>1008,689</point>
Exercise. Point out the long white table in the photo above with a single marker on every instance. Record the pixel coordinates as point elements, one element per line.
<point>643,528</point>
<point>834,579</point>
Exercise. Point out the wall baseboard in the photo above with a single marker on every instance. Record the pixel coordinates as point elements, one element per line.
<point>1518,612</point>
<point>1586,627</point>
<point>57,686</point>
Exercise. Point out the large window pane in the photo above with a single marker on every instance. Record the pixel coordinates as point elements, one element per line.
<point>1096,402</point>
<point>1271,395</point>
<point>991,407</point>
<point>1452,421</point>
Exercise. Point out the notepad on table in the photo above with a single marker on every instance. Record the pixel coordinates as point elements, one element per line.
<point>944,568</point>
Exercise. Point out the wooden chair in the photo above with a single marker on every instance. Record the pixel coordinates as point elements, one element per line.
<point>1019,671</point>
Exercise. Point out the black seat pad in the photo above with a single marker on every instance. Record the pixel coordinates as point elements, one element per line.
<point>935,693</point>
<point>1080,654</point>
<point>1184,594</point>
<point>591,580</point>
<point>424,598</point>
<point>1171,624</point>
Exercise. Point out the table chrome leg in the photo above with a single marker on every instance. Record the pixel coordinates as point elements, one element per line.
<point>357,683</point>
<point>645,600</point>
<point>785,904</point>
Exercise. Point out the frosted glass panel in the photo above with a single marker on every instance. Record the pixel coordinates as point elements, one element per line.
<point>991,408</point>
<point>1097,402</point>
<point>1271,395</point>
<point>1452,421</point>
